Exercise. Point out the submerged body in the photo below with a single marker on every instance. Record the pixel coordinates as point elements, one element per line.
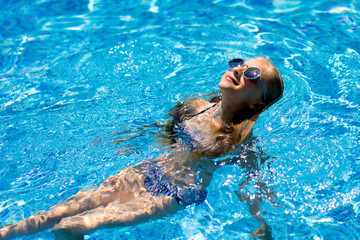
<point>154,188</point>
<point>149,189</point>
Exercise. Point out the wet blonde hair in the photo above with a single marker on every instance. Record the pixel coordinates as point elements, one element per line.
<point>274,85</point>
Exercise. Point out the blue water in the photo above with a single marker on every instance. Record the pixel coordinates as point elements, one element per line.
<point>76,76</point>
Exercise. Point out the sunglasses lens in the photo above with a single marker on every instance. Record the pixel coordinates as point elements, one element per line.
<point>237,62</point>
<point>252,73</point>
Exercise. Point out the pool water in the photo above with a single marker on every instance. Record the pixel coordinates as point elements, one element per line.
<point>76,77</point>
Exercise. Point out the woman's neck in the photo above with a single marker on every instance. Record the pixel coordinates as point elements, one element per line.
<point>233,114</point>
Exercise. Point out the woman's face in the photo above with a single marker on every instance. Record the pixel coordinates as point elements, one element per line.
<point>242,91</point>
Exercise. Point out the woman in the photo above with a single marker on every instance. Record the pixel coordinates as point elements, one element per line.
<point>202,130</point>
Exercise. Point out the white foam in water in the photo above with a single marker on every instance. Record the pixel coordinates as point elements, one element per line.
<point>153,8</point>
<point>91,5</point>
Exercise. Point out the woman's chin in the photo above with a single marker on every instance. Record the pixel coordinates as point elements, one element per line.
<point>226,85</point>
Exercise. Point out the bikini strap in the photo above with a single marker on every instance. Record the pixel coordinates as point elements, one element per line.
<point>203,111</point>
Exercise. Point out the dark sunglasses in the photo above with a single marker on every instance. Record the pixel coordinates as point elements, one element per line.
<point>250,73</point>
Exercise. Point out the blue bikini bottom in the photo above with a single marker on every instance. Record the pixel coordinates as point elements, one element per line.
<point>157,183</point>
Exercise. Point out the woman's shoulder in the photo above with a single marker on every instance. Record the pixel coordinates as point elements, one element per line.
<point>188,107</point>
<point>197,105</point>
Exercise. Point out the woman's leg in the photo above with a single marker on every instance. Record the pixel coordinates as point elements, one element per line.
<point>44,220</point>
<point>139,210</point>
<point>125,186</point>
